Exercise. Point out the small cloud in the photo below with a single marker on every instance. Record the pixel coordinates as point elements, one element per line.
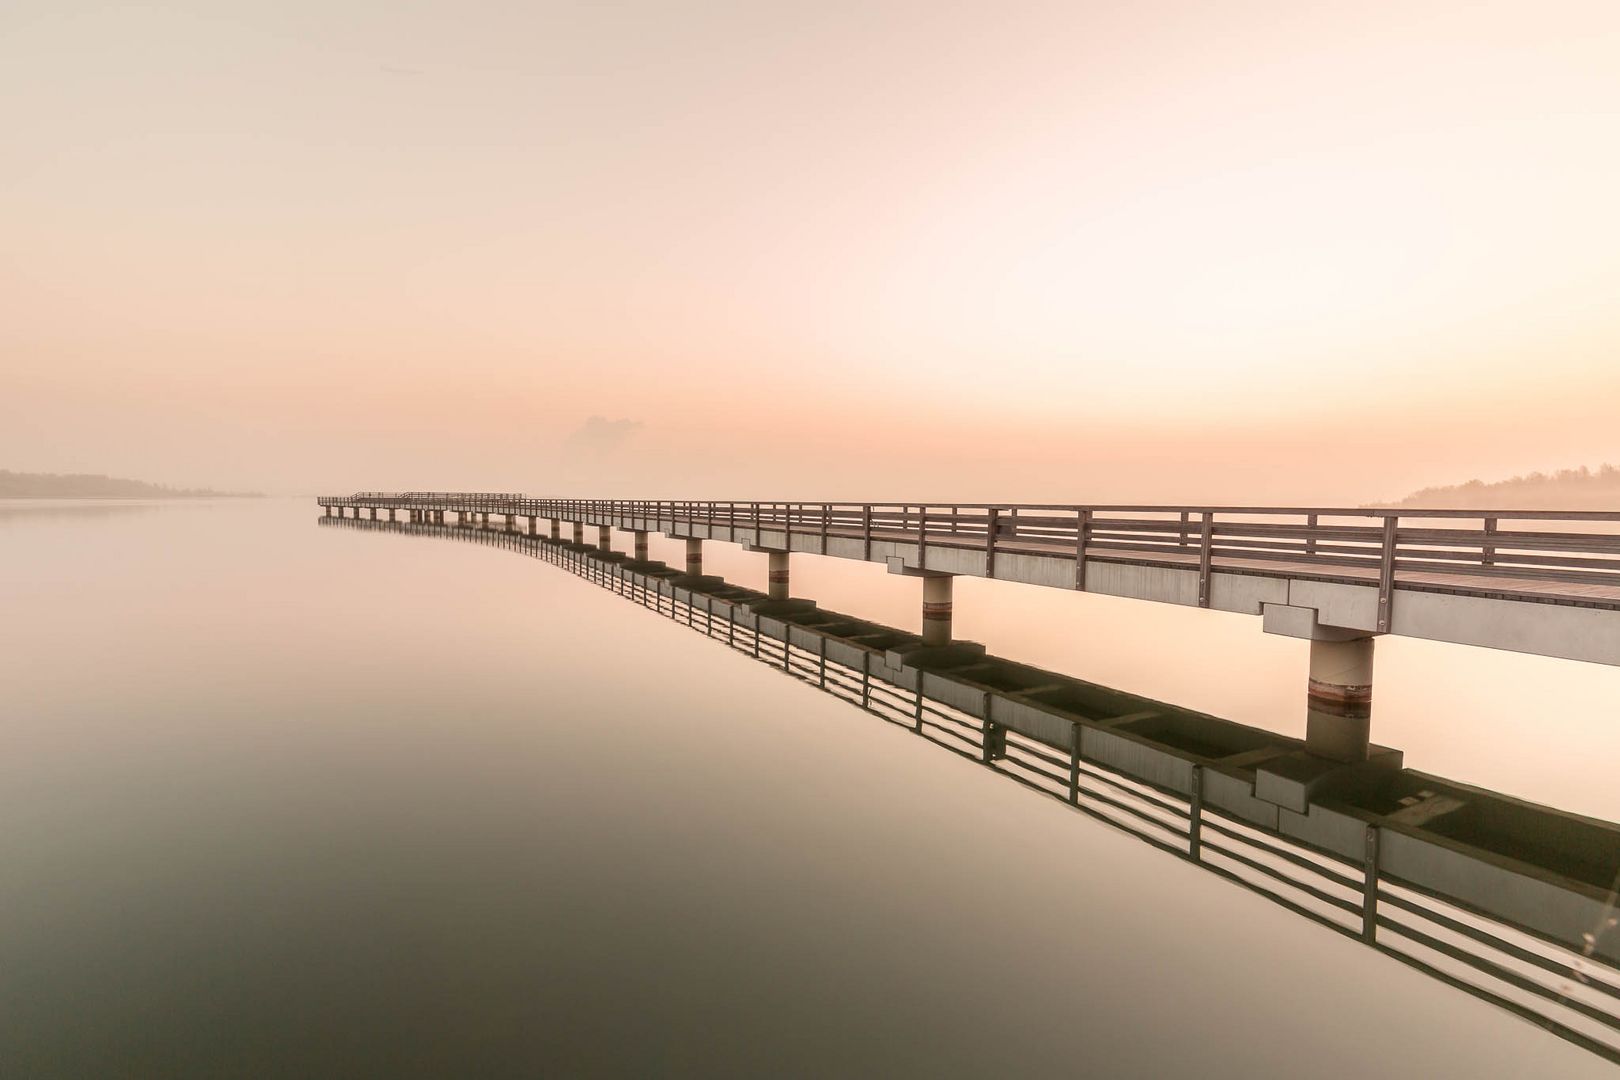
<point>599,436</point>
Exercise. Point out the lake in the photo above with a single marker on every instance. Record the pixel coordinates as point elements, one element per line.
<point>291,801</point>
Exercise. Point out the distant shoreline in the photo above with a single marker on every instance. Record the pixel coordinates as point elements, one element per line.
<point>130,498</point>
<point>20,485</point>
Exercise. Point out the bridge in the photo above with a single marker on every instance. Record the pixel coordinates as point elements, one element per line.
<point>1512,902</point>
<point>1543,582</point>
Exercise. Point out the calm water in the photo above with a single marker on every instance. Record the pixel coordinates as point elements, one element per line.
<point>290,801</point>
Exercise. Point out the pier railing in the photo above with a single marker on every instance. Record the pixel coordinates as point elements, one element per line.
<point>1544,555</point>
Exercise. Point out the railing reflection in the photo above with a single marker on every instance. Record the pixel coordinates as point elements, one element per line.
<point>1568,987</point>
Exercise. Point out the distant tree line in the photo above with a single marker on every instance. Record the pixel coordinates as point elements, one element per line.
<point>1566,489</point>
<point>20,485</point>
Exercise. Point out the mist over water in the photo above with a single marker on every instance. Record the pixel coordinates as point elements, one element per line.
<point>282,800</point>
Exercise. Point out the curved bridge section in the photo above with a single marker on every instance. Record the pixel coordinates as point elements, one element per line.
<point>1528,581</point>
<point>1539,582</point>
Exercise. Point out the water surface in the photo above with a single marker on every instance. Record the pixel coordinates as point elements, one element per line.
<point>289,801</point>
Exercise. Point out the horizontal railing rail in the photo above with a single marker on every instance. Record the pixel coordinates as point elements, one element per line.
<point>1526,553</point>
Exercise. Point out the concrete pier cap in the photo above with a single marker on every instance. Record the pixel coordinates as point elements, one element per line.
<point>1338,711</point>
<point>777,581</point>
<point>936,601</point>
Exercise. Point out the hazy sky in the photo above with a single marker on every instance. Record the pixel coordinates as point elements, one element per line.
<point>1123,251</point>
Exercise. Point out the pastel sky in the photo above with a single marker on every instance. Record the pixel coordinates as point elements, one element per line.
<point>1238,251</point>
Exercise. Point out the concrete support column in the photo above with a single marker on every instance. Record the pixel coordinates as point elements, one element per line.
<point>776,575</point>
<point>604,538</point>
<point>936,620</point>
<point>641,544</point>
<point>1338,716</point>
<point>694,556</point>
<point>579,532</point>
<point>556,529</point>
<point>534,525</point>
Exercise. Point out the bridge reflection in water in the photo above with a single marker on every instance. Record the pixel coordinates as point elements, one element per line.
<point>1509,901</point>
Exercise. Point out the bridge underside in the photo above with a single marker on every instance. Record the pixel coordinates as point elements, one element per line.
<point>1521,616</point>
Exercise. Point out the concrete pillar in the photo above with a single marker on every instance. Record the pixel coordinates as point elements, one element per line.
<point>936,620</point>
<point>1338,715</point>
<point>556,529</point>
<point>604,538</point>
<point>534,524</point>
<point>579,532</point>
<point>776,575</point>
<point>641,544</point>
<point>694,556</point>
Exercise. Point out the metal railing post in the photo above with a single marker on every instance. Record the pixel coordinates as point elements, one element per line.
<point>1386,572</point>
<point>1205,557</point>
<point>1195,815</point>
<point>1074,767</point>
<point>992,524</point>
<point>1082,533</point>
<point>1369,892</point>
